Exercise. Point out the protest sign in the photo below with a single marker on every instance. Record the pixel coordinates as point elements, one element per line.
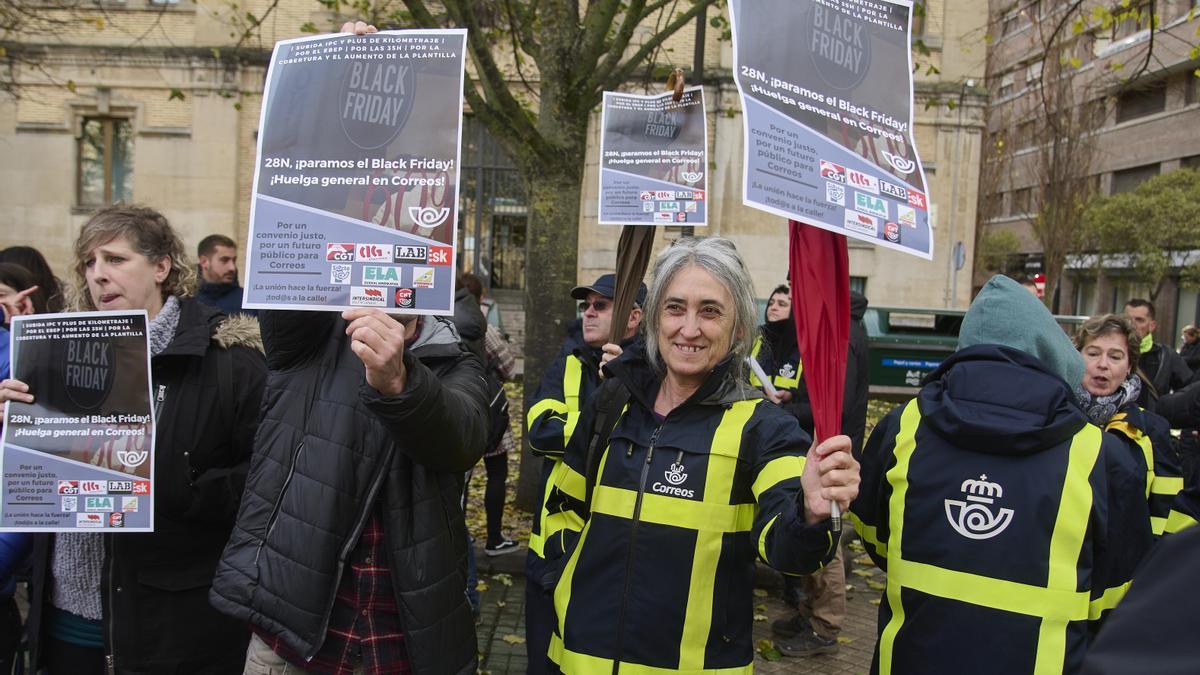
<point>654,159</point>
<point>355,198</point>
<point>81,456</point>
<point>826,90</point>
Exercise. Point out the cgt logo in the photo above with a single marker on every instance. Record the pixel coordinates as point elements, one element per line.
<point>339,252</point>
<point>367,297</point>
<point>831,171</point>
<point>68,487</point>
<point>439,255</point>
<point>373,253</point>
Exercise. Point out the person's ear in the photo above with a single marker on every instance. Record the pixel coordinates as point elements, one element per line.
<point>162,268</point>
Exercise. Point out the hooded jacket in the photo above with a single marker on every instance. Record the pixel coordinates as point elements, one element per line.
<point>998,512</point>
<point>662,574</point>
<point>331,448</point>
<point>154,586</point>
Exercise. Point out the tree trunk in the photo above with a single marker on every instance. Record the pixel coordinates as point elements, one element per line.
<point>550,263</point>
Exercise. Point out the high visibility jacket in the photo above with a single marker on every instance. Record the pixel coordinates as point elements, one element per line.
<point>551,421</point>
<point>1149,436</point>
<point>1001,516</point>
<point>661,577</point>
<point>784,370</point>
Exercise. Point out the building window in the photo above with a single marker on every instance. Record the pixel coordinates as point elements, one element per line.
<point>1126,180</point>
<point>1192,162</point>
<point>1006,84</point>
<point>105,161</point>
<point>1010,24</point>
<point>858,285</point>
<point>1022,201</point>
<point>1141,102</point>
<point>1025,135</point>
<point>1132,23</point>
<point>1190,87</point>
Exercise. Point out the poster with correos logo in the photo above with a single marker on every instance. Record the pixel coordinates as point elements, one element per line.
<point>826,89</point>
<point>654,159</point>
<point>81,456</point>
<point>356,186</point>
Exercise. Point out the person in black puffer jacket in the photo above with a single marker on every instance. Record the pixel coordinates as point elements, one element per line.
<point>352,502</point>
<point>138,602</point>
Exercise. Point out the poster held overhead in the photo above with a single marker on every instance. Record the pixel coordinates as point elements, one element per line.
<point>81,456</point>
<point>355,199</point>
<point>828,126</point>
<point>654,159</point>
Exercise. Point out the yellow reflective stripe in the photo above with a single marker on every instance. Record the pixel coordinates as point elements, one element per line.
<point>664,510</point>
<point>718,491</point>
<point>975,589</point>
<point>1166,485</point>
<point>762,538</point>
<point>557,522</point>
<point>1177,520</point>
<point>572,482</point>
<point>777,471</point>
<point>1066,543</point>
<point>1158,525</point>
<point>754,355</point>
<point>782,382</point>
<point>537,540</point>
<point>869,534</point>
<point>586,664</point>
<point>1107,601</point>
<point>562,591</point>
<point>572,377</point>
<point>897,477</point>
<point>1134,434</point>
<point>542,406</point>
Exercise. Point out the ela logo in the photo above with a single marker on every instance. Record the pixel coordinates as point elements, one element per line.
<point>866,203</point>
<point>376,275</point>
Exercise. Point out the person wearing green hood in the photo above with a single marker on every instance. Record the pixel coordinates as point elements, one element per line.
<point>999,512</point>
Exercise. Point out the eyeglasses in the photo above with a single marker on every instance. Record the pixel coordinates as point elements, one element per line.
<point>598,305</point>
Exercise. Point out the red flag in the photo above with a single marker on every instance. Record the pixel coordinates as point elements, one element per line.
<point>820,276</point>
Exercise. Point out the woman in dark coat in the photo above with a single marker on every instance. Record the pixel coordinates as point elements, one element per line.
<point>138,602</point>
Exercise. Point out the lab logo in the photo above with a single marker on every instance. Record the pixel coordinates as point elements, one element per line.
<point>406,298</point>
<point>120,487</point>
<point>367,297</point>
<point>68,487</point>
<point>893,190</point>
<point>89,520</point>
<point>871,204</point>
<point>976,517</point>
<point>99,504</point>
<point>129,504</point>
<point>891,232</point>
<point>831,171</point>
<point>339,252</point>
<point>93,487</point>
<point>410,254</point>
<point>340,274</point>
<point>675,474</point>
<point>691,177</point>
<point>861,223</point>
<point>902,164</point>
<point>835,193</point>
<point>907,215</point>
<point>423,277</point>
<point>373,253</point>
<point>439,255</point>
<point>428,216</point>
<point>70,504</point>
<point>788,371</point>
<point>141,487</point>
<point>116,519</point>
<point>133,458</point>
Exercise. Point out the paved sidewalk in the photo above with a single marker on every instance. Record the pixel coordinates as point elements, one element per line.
<point>502,626</point>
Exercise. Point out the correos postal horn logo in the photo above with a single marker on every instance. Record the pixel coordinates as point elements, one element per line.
<point>974,517</point>
<point>902,164</point>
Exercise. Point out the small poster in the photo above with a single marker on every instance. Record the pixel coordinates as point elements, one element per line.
<point>826,88</point>
<point>654,159</point>
<point>81,456</point>
<point>355,198</point>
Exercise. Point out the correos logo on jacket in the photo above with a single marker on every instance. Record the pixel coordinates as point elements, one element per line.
<point>973,517</point>
<point>675,476</point>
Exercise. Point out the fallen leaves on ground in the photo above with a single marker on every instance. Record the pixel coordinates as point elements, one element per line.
<point>866,574</point>
<point>501,603</point>
<point>875,602</point>
<point>760,593</point>
<point>843,640</point>
<point>760,608</point>
<point>876,585</point>
<point>767,650</point>
<point>481,586</point>
<point>513,639</point>
<point>505,579</point>
<point>760,617</point>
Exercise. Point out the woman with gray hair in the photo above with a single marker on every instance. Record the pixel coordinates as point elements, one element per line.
<point>669,499</point>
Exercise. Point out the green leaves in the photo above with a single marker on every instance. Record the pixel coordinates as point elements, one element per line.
<point>176,95</point>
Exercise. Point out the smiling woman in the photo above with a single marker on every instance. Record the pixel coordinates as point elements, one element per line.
<point>699,477</point>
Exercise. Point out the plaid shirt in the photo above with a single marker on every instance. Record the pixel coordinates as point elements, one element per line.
<point>364,625</point>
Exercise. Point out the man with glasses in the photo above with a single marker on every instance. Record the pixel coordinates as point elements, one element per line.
<point>551,418</point>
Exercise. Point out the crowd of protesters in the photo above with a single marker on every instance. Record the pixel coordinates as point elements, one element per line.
<point>311,467</point>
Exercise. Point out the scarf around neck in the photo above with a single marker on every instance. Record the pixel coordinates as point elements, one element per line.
<point>1100,409</point>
